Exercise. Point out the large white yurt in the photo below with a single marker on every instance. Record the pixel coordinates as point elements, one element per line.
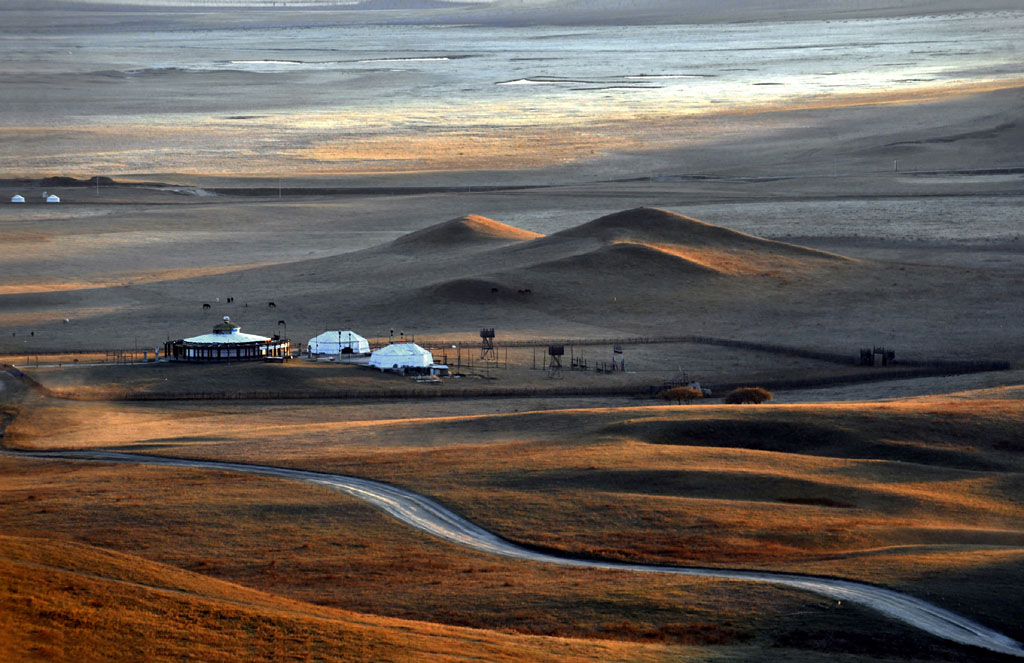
<point>401,357</point>
<point>226,343</point>
<point>17,198</point>
<point>52,198</point>
<point>338,343</point>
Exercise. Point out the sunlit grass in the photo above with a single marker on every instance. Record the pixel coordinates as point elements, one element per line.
<point>920,495</point>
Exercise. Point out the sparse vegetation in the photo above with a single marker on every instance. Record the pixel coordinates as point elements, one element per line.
<point>590,482</point>
<point>681,394</point>
<point>748,395</point>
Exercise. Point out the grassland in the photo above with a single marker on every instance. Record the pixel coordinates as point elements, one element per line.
<point>66,601</point>
<point>919,495</point>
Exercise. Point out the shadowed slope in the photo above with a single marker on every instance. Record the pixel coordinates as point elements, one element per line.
<point>74,602</point>
<point>631,254</point>
<point>655,240</point>
<point>657,227</point>
<point>630,260</point>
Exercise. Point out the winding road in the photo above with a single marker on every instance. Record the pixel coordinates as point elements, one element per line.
<point>428,516</point>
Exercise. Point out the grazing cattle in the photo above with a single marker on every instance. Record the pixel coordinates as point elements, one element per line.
<point>280,322</point>
<point>493,290</point>
<point>271,305</point>
<point>206,307</point>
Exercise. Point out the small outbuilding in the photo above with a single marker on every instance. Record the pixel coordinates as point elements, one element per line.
<point>52,198</point>
<point>17,198</point>
<point>338,343</point>
<point>402,358</point>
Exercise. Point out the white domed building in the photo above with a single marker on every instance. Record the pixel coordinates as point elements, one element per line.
<point>338,343</point>
<point>402,358</point>
<point>227,343</point>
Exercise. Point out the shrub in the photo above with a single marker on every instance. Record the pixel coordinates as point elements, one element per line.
<point>744,395</point>
<point>682,394</point>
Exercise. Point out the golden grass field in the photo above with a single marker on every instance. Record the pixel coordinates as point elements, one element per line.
<point>920,495</point>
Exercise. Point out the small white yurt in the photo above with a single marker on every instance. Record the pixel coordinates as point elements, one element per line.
<point>338,343</point>
<point>401,356</point>
<point>52,198</point>
<point>17,198</point>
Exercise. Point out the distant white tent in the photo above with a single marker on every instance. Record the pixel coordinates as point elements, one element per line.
<point>52,198</point>
<point>338,343</point>
<point>399,356</point>
<point>17,198</point>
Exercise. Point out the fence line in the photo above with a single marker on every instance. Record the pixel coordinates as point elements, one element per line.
<point>833,357</point>
<point>556,391</point>
<point>851,359</point>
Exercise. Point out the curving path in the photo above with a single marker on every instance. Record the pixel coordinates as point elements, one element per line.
<point>429,516</point>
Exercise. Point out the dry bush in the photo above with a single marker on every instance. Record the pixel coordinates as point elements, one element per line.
<point>745,395</point>
<point>681,394</point>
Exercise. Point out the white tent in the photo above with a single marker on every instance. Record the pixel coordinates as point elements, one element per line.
<point>399,356</point>
<point>17,198</point>
<point>337,343</point>
<point>52,198</point>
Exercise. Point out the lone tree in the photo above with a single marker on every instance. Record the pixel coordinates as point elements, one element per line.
<point>745,395</point>
<point>681,394</point>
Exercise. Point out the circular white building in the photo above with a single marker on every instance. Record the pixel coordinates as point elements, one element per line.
<point>226,343</point>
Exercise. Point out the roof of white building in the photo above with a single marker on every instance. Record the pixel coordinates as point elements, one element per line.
<point>329,341</point>
<point>226,332</point>
<point>401,354</point>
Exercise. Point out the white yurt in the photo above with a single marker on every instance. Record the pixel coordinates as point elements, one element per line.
<point>338,343</point>
<point>226,343</point>
<point>402,356</point>
<point>17,198</point>
<point>52,198</point>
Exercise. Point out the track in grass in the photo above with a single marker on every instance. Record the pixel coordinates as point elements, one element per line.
<point>429,516</point>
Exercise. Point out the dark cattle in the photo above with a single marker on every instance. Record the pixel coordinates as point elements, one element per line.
<point>206,306</point>
<point>271,305</point>
<point>280,322</point>
<point>493,290</point>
